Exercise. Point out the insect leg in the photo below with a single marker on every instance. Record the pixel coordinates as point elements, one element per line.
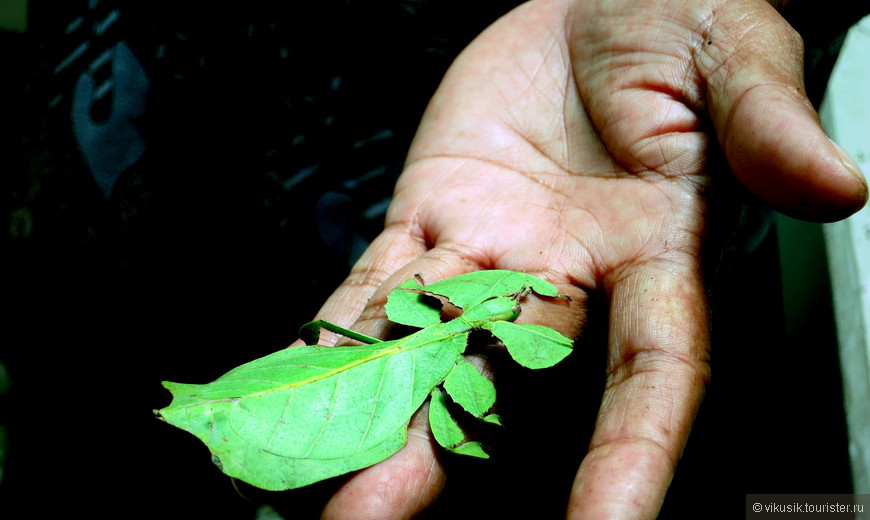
<point>310,333</point>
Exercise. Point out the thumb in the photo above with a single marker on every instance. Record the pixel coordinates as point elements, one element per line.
<point>770,133</point>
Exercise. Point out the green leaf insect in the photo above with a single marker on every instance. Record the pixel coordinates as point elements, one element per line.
<point>305,414</point>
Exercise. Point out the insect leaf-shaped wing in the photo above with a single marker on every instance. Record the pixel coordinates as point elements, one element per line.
<point>308,413</point>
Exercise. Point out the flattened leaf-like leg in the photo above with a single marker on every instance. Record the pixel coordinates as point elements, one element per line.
<point>406,305</point>
<point>472,391</point>
<point>533,346</point>
<point>310,333</point>
<point>447,432</point>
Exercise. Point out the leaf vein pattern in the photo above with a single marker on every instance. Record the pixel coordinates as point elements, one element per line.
<point>399,346</point>
<point>376,399</point>
<point>280,421</point>
<point>329,412</point>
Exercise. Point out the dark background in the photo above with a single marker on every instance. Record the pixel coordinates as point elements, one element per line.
<point>274,134</point>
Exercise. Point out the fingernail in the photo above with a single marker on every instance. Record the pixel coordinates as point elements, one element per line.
<point>850,164</point>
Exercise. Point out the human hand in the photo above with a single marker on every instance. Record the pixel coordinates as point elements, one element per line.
<point>571,141</point>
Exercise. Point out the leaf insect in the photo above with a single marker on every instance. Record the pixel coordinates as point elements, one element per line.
<point>305,414</point>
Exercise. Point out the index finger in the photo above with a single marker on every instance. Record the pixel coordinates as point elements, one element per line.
<point>657,371</point>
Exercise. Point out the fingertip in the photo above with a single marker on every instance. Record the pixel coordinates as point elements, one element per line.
<point>854,187</point>
<point>827,193</point>
<point>825,187</point>
<point>778,150</point>
<point>621,480</point>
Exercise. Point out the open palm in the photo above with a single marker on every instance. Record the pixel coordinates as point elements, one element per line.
<point>571,141</point>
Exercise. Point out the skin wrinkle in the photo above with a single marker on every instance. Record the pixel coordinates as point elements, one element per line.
<point>370,275</point>
<point>539,148</point>
<point>467,158</point>
<point>634,440</point>
<point>625,367</point>
<point>418,232</point>
<point>505,260</point>
<point>666,159</point>
<point>452,249</point>
<point>664,130</point>
<point>371,278</point>
<point>655,433</point>
<point>585,108</point>
<point>621,271</point>
<point>432,473</point>
<point>639,256</point>
<point>515,125</point>
<point>442,253</point>
<point>625,71</point>
<point>660,420</point>
<point>402,187</point>
<point>653,231</point>
<point>672,124</point>
<point>588,172</point>
<point>752,30</point>
<point>545,55</point>
<point>543,146</point>
<point>635,150</point>
<point>596,260</point>
<point>411,228</point>
<point>654,430</point>
<point>707,42</point>
<point>534,177</point>
<point>568,87</point>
